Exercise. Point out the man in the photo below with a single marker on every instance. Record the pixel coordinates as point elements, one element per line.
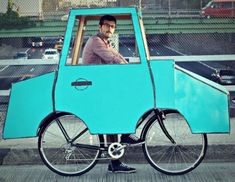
<point>99,51</point>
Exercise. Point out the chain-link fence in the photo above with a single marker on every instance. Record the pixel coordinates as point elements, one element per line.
<point>3,108</point>
<point>202,27</point>
<point>174,28</point>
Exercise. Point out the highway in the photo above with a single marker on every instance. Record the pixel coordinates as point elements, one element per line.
<point>13,73</point>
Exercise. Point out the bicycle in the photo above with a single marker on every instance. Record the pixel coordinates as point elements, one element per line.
<point>173,142</point>
<point>67,147</point>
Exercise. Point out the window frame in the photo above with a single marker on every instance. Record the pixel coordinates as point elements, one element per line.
<point>82,21</point>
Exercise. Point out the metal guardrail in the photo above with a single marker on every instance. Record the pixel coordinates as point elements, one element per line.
<point>147,12</point>
<point>7,62</point>
<point>227,57</point>
<point>153,25</point>
<point>181,58</point>
<point>4,93</point>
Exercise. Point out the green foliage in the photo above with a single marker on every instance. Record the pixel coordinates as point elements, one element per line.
<point>11,20</point>
<point>9,6</point>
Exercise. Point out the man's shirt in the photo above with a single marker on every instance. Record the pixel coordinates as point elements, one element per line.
<point>98,51</point>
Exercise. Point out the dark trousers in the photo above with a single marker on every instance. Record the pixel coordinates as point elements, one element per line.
<point>112,138</point>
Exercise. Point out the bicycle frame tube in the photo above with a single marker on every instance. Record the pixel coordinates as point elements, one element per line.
<point>68,139</point>
<point>63,130</point>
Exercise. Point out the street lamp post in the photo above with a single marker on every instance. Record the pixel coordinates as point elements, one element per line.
<point>140,6</point>
<point>169,8</point>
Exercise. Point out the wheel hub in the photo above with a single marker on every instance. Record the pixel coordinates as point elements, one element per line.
<point>69,151</point>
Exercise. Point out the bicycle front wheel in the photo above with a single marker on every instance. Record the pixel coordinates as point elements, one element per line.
<point>176,157</point>
<point>67,147</point>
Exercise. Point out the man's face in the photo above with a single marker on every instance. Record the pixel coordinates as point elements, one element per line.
<point>108,28</point>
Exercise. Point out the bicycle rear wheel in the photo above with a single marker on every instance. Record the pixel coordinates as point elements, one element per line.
<point>173,158</point>
<point>63,155</point>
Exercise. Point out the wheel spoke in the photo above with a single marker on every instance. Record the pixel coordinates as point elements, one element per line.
<point>179,158</point>
<point>58,152</point>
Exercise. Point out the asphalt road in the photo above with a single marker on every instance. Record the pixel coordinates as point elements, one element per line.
<point>206,172</point>
<point>15,73</point>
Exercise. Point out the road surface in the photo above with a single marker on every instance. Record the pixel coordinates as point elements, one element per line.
<point>206,172</point>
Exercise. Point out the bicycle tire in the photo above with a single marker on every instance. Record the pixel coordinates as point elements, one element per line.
<point>173,159</point>
<point>63,157</point>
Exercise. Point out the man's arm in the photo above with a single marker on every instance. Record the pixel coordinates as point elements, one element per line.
<point>107,54</point>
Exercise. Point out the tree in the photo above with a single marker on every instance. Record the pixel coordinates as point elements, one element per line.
<point>11,19</point>
<point>10,12</point>
<point>10,6</point>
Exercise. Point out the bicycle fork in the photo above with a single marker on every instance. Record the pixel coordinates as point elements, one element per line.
<point>160,117</point>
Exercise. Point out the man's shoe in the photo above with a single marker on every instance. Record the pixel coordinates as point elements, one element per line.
<point>130,139</point>
<point>120,168</point>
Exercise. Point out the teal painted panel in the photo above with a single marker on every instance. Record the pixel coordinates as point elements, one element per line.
<point>163,73</point>
<point>115,101</point>
<point>204,104</point>
<point>119,94</point>
<point>30,102</point>
<point>102,11</point>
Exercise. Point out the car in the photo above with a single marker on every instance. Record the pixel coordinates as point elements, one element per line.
<point>21,55</point>
<point>224,77</point>
<point>51,54</point>
<point>59,45</point>
<point>37,42</point>
<point>232,99</point>
<point>219,8</point>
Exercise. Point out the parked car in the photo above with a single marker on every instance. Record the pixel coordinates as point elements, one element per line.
<point>37,42</point>
<point>21,55</point>
<point>219,8</point>
<point>224,77</point>
<point>51,54</point>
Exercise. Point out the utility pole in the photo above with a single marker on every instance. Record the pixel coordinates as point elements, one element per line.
<point>140,6</point>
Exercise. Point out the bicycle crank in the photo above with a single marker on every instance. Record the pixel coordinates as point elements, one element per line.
<point>116,150</point>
